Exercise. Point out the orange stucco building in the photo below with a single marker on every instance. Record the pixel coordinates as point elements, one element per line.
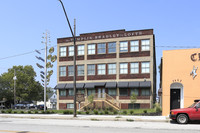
<point>180,80</point>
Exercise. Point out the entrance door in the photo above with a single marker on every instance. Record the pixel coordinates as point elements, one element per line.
<point>101,92</point>
<point>174,99</point>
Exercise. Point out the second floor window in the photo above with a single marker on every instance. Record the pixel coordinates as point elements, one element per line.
<point>91,49</point>
<point>101,48</point>
<point>123,68</point>
<point>81,50</point>
<point>145,92</point>
<point>101,69</point>
<point>136,91</point>
<point>71,92</point>
<point>80,70</point>
<point>71,51</point>
<point>134,46</point>
<point>124,46</point>
<point>70,70</point>
<point>145,67</point>
<point>91,69</point>
<point>134,67</point>
<point>62,92</point>
<point>111,68</point>
<point>112,47</point>
<point>62,71</point>
<point>145,45</point>
<point>62,51</point>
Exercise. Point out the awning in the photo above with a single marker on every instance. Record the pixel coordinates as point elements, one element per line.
<point>134,84</point>
<point>145,84</point>
<point>100,84</point>
<point>122,85</point>
<point>111,85</point>
<point>89,85</point>
<point>60,86</point>
<point>78,86</point>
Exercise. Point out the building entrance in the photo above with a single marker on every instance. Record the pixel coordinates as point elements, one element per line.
<point>101,92</point>
<point>174,99</point>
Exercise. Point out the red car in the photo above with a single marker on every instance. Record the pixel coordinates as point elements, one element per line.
<point>182,116</point>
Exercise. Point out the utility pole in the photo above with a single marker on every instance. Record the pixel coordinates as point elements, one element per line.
<point>14,78</point>
<point>73,35</point>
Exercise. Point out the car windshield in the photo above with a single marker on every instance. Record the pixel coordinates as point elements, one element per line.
<point>192,105</point>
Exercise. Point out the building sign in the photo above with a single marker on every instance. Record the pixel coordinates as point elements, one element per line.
<point>195,57</point>
<point>80,97</point>
<point>194,72</point>
<point>106,35</point>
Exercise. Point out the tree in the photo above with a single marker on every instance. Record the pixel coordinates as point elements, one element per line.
<point>133,98</point>
<point>27,88</point>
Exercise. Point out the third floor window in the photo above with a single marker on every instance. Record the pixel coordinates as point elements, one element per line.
<point>71,51</point>
<point>145,45</point>
<point>91,49</point>
<point>101,48</point>
<point>134,46</point>
<point>81,49</point>
<point>112,47</point>
<point>123,46</point>
<point>62,51</point>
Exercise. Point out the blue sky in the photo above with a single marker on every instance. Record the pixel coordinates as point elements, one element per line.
<point>175,23</point>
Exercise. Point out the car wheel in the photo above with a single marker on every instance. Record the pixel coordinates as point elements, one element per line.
<point>182,119</point>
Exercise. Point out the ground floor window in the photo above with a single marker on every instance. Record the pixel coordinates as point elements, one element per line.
<point>70,105</point>
<point>62,92</point>
<point>112,92</point>
<point>145,92</point>
<point>91,91</point>
<point>136,106</point>
<point>130,106</point>
<point>136,91</point>
<point>71,92</point>
<point>82,91</point>
<point>123,92</point>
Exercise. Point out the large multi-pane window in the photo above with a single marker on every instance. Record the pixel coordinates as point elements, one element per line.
<point>123,92</point>
<point>70,70</point>
<point>82,91</point>
<point>62,71</point>
<point>71,92</point>
<point>145,67</point>
<point>81,49</point>
<point>63,51</point>
<point>123,68</point>
<point>111,68</point>
<point>91,69</point>
<point>145,45</point>
<point>80,70</point>
<point>91,48</point>
<point>135,91</point>
<point>112,47</point>
<point>101,48</point>
<point>112,92</point>
<point>134,67</point>
<point>101,69</point>
<point>71,51</point>
<point>62,92</point>
<point>124,46</point>
<point>91,91</point>
<point>134,46</point>
<point>70,105</point>
<point>145,92</point>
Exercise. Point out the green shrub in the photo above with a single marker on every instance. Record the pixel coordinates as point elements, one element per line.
<point>96,112</point>
<point>66,112</point>
<point>87,112</point>
<point>9,111</point>
<point>101,113</point>
<point>15,112</point>
<point>36,112</point>
<point>52,112</point>
<point>79,112</point>
<point>145,111</point>
<point>71,112</point>
<point>43,112</point>
<point>47,112</point>
<point>106,112</point>
<point>2,111</point>
<point>131,112</point>
<point>115,112</point>
<point>110,109</point>
<point>29,112</point>
<point>124,112</point>
<point>22,112</point>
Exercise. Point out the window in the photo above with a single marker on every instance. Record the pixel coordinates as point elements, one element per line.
<point>91,91</point>
<point>71,92</point>
<point>145,67</point>
<point>91,49</point>
<point>80,70</point>
<point>134,46</point>
<point>101,69</point>
<point>136,105</point>
<point>134,67</point>
<point>111,68</point>
<point>123,92</point>
<point>82,91</point>
<point>71,51</point>
<point>130,106</point>
<point>91,69</point>
<point>145,92</point>
<point>145,45</point>
<point>81,50</point>
<point>123,68</point>
<point>136,91</point>
<point>62,71</point>
<point>62,92</point>
<point>112,92</point>
<point>62,51</point>
<point>112,47</point>
<point>70,105</point>
<point>123,46</point>
<point>101,48</point>
<point>70,70</point>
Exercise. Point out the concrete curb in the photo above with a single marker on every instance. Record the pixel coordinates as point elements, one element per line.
<point>89,117</point>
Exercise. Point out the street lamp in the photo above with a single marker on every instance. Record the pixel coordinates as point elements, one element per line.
<point>73,35</point>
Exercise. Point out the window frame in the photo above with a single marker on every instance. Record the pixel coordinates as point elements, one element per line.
<point>62,93</point>
<point>62,51</point>
<point>122,48</point>
<point>144,45</point>
<point>100,49</point>
<point>70,105</point>
<point>111,47</point>
<point>133,46</point>
<point>145,92</point>
<point>93,50</point>
<point>145,69</point>
<point>64,71</point>
<point>101,70</point>
<point>124,69</point>
<point>91,70</point>
<point>70,50</point>
<point>70,70</point>
<point>123,89</point>
<point>113,89</point>
<point>81,50</point>
<point>112,69</point>
<point>80,72</point>
<point>134,69</point>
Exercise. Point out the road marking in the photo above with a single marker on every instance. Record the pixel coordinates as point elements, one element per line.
<point>8,131</point>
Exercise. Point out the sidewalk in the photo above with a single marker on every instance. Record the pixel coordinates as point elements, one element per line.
<point>90,117</point>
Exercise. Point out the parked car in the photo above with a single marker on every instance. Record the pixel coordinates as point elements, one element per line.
<point>41,107</point>
<point>31,106</point>
<point>182,116</point>
<point>20,106</point>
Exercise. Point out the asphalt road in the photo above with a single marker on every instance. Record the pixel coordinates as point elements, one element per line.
<point>18,125</point>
